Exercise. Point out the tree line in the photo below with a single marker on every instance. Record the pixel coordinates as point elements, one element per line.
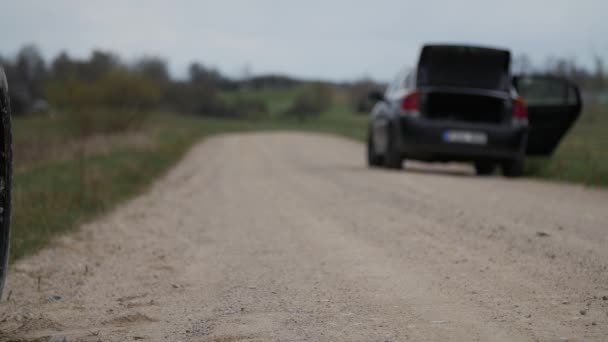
<point>104,80</point>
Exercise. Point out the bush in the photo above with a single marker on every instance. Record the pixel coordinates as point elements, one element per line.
<point>252,108</point>
<point>358,94</point>
<point>313,100</point>
<point>117,90</point>
<point>199,99</point>
<point>117,102</point>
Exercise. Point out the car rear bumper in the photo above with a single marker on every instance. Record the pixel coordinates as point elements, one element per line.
<point>425,139</point>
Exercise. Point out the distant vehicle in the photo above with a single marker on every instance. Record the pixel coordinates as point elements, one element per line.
<point>463,104</point>
<point>5,177</point>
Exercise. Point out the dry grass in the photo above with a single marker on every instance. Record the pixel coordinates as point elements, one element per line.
<point>37,151</point>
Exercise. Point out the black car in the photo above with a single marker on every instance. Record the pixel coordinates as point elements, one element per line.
<point>5,176</point>
<point>463,104</point>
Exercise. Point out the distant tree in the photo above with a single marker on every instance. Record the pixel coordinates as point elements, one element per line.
<point>30,64</point>
<point>312,101</point>
<point>153,68</point>
<point>199,99</point>
<point>62,67</point>
<point>99,64</point>
<point>117,89</point>
<point>26,77</point>
<point>200,74</point>
<point>358,95</point>
<point>273,81</point>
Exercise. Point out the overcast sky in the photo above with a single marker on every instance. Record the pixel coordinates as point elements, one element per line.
<point>329,39</point>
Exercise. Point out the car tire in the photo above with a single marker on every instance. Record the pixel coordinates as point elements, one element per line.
<point>484,168</point>
<point>373,159</point>
<point>513,168</point>
<point>392,156</point>
<point>5,178</point>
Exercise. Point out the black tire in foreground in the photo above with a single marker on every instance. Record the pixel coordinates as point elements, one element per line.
<point>5,178</point>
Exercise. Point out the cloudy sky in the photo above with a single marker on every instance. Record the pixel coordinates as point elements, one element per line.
<point>330,39</point>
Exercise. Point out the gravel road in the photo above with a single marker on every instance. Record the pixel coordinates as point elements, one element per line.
<point>289,237</point>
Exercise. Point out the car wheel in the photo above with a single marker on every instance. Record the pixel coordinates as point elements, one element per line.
<point>5,178</point>
<point>392,156</point>
<point>513,167</point>
<point>373,159</point>
<point>484,168</point>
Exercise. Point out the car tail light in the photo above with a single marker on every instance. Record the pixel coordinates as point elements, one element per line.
<point>411,104</point>
<point>520,111</point>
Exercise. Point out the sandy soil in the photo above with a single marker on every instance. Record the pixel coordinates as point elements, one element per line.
<point>289,237</point>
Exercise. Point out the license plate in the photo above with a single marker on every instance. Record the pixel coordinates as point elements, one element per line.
<point>465,137</point>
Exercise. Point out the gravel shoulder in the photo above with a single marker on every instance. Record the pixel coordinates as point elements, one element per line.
<point>289,237</point>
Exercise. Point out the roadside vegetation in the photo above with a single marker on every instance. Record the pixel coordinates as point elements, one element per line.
<point>55,190</point>
<point>89,134</point>
<point>582,157</point>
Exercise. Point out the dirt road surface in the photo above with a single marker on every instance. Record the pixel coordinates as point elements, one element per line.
<point>289,237</point>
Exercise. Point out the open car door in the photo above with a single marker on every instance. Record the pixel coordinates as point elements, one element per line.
<point>554,104</point>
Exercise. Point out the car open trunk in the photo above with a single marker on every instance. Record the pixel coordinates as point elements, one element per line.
<point>464,67</point>
<point>462,83</point>
<point>479,108</point>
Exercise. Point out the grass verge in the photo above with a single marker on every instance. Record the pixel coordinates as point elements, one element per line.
<point>582,156</point>
<point>52,197</point>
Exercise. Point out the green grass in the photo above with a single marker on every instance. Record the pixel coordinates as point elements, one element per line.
<point>277,100</point>
<point>582,156</point>
<point>338,119</point>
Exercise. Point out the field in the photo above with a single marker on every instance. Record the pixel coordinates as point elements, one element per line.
<point>58,184</point>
